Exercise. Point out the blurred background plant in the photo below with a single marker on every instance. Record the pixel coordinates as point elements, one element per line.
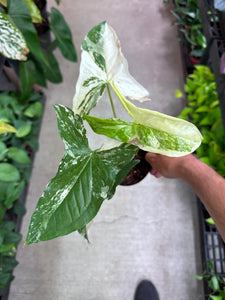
<point>214,282</point>
<point>26,48</point>
<point>203,110</point>
<point>22,26</point>
<point>187,18</point>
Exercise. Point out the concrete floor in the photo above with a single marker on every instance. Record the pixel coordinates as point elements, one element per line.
<point>146,231</point>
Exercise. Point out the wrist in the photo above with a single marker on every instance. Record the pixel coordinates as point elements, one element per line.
<point>187,166</point>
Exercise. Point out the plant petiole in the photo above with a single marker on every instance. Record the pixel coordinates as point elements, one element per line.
<point>111,101</point>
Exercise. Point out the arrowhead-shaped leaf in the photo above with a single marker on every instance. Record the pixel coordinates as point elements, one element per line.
<point>102,62</point>
<point>12,42</point>
<point>62,34</point>
<point>151,131</point>
<point>85,178</point>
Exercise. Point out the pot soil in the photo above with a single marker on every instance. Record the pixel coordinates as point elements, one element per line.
<point>138,172</point>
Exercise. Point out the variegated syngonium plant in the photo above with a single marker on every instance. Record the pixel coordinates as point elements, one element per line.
<point>85,177</point>
<point>12,41</point>
<point>103,64</point>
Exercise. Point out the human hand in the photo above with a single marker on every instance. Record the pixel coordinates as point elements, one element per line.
<point>170,167</point>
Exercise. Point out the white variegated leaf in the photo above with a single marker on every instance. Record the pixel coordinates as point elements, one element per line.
<point>102,62</point>
<point>151,131</point>
<point>12,42</point>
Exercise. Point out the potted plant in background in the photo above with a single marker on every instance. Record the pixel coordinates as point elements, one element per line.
<point>30,59</point>
<point>19,40</point>
<point>86,177</point>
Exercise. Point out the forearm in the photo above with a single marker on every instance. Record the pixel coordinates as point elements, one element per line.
<point>210,188</point>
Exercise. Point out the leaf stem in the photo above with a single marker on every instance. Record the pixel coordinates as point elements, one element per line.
<point>111,101</point>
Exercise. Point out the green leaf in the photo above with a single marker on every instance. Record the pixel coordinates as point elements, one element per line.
<point>178,94</point>
<point>6,247</point>
<point>7,226</point>
<point>3,189</point>
<point>210,221</point>
<point>27,79</point>
<point>216,297</point>
<point>7,264</point>
<point>20,14</point>
<point>34,110</point>
<point>18,155</point>
<point>12,42</point>
<point>8,173</point>
<point>6,115</point>
<point>23,128</point>
<point>151,131</point>
<point>62,34</point>
<point>6,128</point>
<point>102,62</point>
<point>13,192</point>
<point>19,208</point>
<point>199,277</point>
<point>51,69</point>
<point>85,178</point>
<point>2,211</point>
<point>34,11</point>
<point>12,237</point>
<point>215,283</point>
<point>5,279</point>
<point>5,98</point>
<point>38,71</point>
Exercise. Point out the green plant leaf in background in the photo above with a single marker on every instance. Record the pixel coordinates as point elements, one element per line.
<point>5,278</point>
<point>62,34</point>
<point>8,173</point>
<point>34,110</point>
<point>12,42</point>
<point>2,149</point>
<point>27,80</point>
<point>4,127</point>
<point>23,128</point>
<point>13,192</point>
<point>34,11</point>
<point>178,94</point>
<point>51,70</point>
<point>103,63</point>
<point>85,178</point>
<point>210,221</point>
<point>20,14</point>
<point>18,155</point>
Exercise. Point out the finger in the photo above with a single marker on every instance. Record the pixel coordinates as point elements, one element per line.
<point>158,175</point>
<point>155,173</point>
<point>149,156</point>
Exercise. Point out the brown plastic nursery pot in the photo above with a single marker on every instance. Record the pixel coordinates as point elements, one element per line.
<point>139,171</point>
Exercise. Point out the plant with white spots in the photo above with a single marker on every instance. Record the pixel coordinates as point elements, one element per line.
<point>86,178</point>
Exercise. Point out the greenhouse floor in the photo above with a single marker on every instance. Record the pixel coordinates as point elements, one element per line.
<point>146,231</point>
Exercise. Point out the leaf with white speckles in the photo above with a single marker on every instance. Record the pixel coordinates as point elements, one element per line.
<point>85,178</point>
<point>151,131</point>
<point>12,42</point>
<point>102,62</point>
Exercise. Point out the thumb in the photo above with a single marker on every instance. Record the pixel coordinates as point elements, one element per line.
<point>150,156</point>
